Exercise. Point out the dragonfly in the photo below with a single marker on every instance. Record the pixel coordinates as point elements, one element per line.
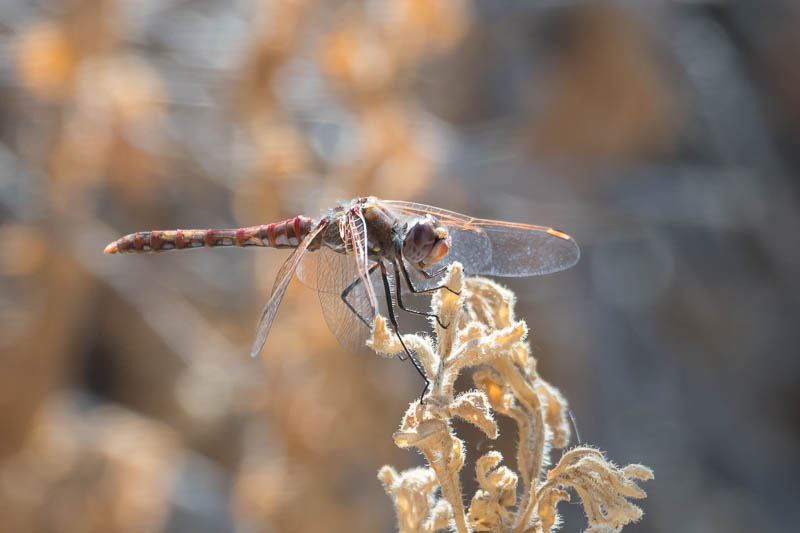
<point>367,253</point>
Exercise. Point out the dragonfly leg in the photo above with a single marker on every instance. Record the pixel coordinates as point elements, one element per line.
<point>396,327</point>
<point>400,299</point>
<point>350,288</point>
<point>427,276</point>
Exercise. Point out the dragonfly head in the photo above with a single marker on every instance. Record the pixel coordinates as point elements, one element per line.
<point>426,243</point>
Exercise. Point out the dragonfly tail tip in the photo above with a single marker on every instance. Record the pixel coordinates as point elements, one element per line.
<point>111,248</point>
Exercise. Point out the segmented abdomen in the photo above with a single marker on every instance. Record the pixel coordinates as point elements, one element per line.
<point>284,234</point>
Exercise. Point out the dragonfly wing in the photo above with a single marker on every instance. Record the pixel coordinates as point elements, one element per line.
<point>496,248</point>
<point>331,272</point>
<point>335,273</point>
<point>307,270</point>
<point>357,237</point>
<point>279,288</point>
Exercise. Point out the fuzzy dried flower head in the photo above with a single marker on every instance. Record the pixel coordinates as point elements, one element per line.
<point>484,334</point>
<point>603,488</point>
<point>412,491</point>
<point>489,510</point>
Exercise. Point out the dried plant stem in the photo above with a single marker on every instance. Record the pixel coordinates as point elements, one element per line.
<point>529,505</point>
<point>451,488</point>
<point>528,501</point>
<point>527,396</point>
<point>443,460</point>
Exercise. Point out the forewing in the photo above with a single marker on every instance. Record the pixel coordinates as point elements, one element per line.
<point>279,289</point>
<point>496,248</point>
<point>357,240</point>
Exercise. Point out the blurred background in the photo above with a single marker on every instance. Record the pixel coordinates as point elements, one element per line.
<point>663,135</point>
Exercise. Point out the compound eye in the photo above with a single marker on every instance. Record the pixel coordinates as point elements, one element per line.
<point>419,241</point>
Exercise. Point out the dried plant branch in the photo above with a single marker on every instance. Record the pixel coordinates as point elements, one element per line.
<point>484,334</point>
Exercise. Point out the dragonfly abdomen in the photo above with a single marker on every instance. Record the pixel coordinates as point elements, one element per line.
<point>284,234</point>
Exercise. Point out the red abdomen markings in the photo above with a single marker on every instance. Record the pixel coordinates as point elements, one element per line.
<point>284,234</point>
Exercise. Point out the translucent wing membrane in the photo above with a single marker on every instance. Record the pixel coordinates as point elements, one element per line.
<point>314,271</point>
<point>330,273</point>
<point>495,248</point>
<point>356,239</point>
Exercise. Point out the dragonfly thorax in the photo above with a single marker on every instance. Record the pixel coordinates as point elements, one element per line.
<point>425,243</point>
